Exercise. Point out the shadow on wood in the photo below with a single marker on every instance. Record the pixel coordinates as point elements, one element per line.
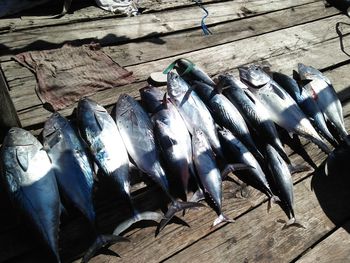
<point>332,190</point>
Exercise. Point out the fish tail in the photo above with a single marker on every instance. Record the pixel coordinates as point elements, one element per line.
<point>144,216</point>
<point>102,241</point>
<point>175,207</point>
<point>324,147</point>
<point>222,219</point>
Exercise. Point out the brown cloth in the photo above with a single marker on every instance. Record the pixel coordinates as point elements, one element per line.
<point>67,74</point>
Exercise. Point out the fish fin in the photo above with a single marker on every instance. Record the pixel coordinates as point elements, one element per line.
<point>100,242</point>
<point>278,92</point>
<point>187,95</point>
<point>296,75</point>
<point>99,121</point>
<point>304,82</point>
<point>144,216</point>
<point>22,159</point>
<point>249,96</point>
<point>291,222</point>
<point>235,167</point>
<point>298,168</point>
<point>63,210</point>
<point>274,199</point>
<point>165,101</point>
<point>197,196</point>
<point>175,207</point>
<point>222,219</point>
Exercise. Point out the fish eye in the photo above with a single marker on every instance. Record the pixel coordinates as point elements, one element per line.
<point>11,130</point>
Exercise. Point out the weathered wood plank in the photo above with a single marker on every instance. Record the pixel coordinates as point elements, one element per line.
<point>84,11</point>
<point>257,237</point>
<point>125,29</point>
<point>298,46</point>
<point>335,248</point>
<point>8,113</point>
<point>127,55</point>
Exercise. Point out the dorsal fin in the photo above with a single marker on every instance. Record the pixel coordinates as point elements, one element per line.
<point>165,101</point>
<point>22,159</point>
<point>99,121</point>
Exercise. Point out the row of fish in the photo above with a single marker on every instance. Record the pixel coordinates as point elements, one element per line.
<point>198,131</point>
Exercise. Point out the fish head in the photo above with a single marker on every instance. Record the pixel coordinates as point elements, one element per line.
<point>254,76</point>
<point>176,86</point>
<point>54,124</point>
<point>89,105</point>
<point>188,69</point>
<point>151,98</point>
<point>311,73</point>
<point>19,137</point>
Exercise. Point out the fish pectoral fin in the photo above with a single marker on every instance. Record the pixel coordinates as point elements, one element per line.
<point>274,199</point>
<point>222,219</point>
<point>100,242</point>
<point>144,216</point>
<point>22,159</point>
<point>278,92</point>
<point>304,82</point>
<point>99,121</point>
<point>299,168</point>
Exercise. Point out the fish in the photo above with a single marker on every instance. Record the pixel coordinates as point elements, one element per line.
<point>156,102</point>
<point>284,183</point>
<point>325,96</point>
<point>74,173</point>
<point>151,99</point>
<point>226,115</point>
<point>209,174</point>
<point>137,131</point>
<point>31,185</point>
<point>193,110</point>
<point>191,72</point>
<point>239,153</point>
<point>308,105</point>
<point>282,108</point>
<point>252,110</point>
<point>104,140</point>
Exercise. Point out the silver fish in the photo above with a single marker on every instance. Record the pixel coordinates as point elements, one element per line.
<point>100,132</point>
<point>284,183</point>
<point>136,129</point>
<point>282,108</point>
<point>325,96</point>
<point>193,110</point>
<point>226,115</point>
<point>208,172</point>
<point>239,153</point>
<point>305,102</point>
<point>253,111</point>
<point>74,173</point>
<point>31,184</point>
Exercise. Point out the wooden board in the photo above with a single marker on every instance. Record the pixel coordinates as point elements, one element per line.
<point>335,248</point>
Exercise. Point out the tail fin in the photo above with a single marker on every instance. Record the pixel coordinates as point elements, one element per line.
<point>175,207</point>
<point>102,241</point>
<point>145,216</point>
<point>221,219</point>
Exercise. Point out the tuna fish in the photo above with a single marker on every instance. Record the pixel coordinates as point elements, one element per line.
<point>254,113</point>
<point>305,102</point>
<point>284,183</point>
<point>136,129</point>
<point>226,115</point>
<point>238,152</point>
<point>31,184</point>
<point>325,96</point>
<point>101,134</point>
<point>193,110</point>
<point>74,173</point>
<point>282,108</point>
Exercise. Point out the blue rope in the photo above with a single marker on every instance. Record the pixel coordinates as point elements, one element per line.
<point>205,29</point>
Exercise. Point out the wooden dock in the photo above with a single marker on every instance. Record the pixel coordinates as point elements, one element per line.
<point>278,33</point>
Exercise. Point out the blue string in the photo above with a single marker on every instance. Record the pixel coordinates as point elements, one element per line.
<point>205,29</point>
